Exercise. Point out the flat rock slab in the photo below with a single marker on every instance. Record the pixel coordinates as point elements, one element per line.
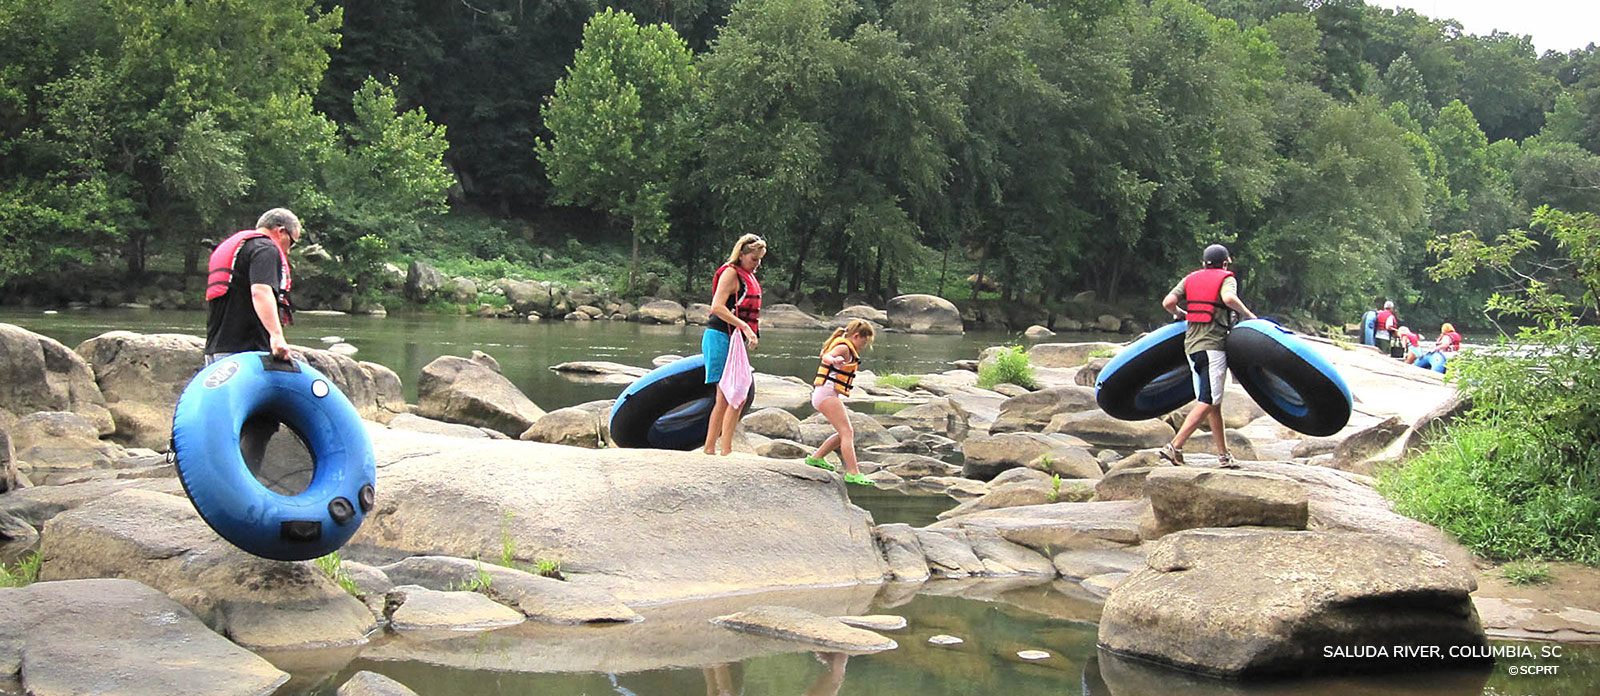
<point>1185,497</point>
<point>423,609</point>
<point>630,522</point>
<point>106,636</point>
<point>789,623</point>
<point>538,597</point>
<point>1294,601</point>
<point>1060,526</point>
<point>1523,619</point>
<point>875,622</point>
<point>1076,565</point>
<point>160,541</point>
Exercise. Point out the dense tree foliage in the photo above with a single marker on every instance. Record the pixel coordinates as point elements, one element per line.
<point>881,146</point>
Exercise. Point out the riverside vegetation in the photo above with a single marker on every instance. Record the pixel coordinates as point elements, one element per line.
<point>1015,151</point>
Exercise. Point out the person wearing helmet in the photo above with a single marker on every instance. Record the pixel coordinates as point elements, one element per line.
<point>1383,329</point>
<point>1206,295</point>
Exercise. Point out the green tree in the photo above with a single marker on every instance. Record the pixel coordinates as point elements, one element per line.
<point>619,124</point>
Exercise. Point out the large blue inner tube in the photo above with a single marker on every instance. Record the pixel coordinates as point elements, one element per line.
<point>1369,326</point>
<point>1148,379</point>
<point>668,408</point>
<point>1288,378</point>
<point>206,427</point>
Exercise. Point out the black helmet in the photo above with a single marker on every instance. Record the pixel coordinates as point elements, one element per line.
<point>1216,255</point>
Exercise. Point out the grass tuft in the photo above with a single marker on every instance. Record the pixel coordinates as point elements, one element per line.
<point>22,573</point>
<point>333,567</point>
<point>1010,365</point>
<point>1526,573</point>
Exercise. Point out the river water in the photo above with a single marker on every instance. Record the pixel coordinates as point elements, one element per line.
<point>996,618</point>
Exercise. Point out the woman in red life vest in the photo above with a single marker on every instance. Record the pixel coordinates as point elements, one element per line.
<point>841,357</point>
<point>1206,296</point>
<point>1449,340</point>
<point>735,306</point>
<point>1411,343</point>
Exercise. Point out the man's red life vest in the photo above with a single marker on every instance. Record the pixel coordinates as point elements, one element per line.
<point>1202,294</point>
<point>1455,342</point>
<point>1385,321</point>
<point>746,303</point>
<point>219,276</point>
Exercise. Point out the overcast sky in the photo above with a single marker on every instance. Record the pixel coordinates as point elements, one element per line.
<point>1556,25</point>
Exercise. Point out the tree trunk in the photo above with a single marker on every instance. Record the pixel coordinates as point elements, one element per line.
<point>838,271</point>
<point>944,267</point>
<point>633,267</point>
<point>877,279</point>
<point>800,263</point>
<point>983,263</point>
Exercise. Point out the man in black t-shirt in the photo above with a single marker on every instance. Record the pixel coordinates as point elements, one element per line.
<point>247,288</point>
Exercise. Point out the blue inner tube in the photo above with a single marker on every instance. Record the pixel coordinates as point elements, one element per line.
<point>1369,326</point>
<point>1432,360</point>
<point>668,408</point>
<point>206,432</point>
<point>1290,380</point>
<point>1148,379</point>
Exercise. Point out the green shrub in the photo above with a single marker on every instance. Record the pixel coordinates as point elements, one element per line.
<point>899,381</point>
<point>23,572</point>
<point>1525,573</point>
<point>333,567</point>
<point>1010,365</point>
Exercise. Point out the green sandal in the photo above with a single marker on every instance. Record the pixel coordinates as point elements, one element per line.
<point>820,463</point>
<point>857,479</point>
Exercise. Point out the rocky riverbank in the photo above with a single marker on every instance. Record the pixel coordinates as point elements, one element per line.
<point>480,488</point>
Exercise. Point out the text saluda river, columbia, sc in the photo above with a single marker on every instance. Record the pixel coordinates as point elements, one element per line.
<point>1455,652</point>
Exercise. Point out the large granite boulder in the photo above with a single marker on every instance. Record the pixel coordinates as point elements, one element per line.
<point>924,314</point>
<point>117,636</point>
<point>775,423</point>
<point>525,296</point>
<point>1298,603</point>
<point>423,281</point>
<point>459,390</point>
<point>985,456</point>
<point>1184,497</point>
<point>1099,428</point>
<point>1033,411</point>
<point>159,540</point>
<point>141,376</point>
<point>59,444</point>
<point>1353,452</point>
<point>788,316</point>
<point>697,313</point>
<point>1066,354</point>
<point>572,426</point>
<point>866,312</point>
<point>868,431</point>
<point>661,312</point>
<point>902,551</point>
<point>39,374</point>
<point>469,498</point>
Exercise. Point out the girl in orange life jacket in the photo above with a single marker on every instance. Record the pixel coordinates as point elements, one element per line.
<point>1206,295</point>
<point>735,306</point>
<point>841,357</point>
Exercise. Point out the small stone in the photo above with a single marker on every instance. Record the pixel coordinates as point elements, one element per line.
<point>1033,655</point>
<point>943,639</point>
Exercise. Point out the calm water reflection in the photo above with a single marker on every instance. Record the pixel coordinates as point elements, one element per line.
<point>525,350</point>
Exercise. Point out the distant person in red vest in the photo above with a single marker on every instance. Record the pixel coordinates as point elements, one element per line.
<point>1206,296</point>
<point>1411,343</point>
<point>1385,329</point>
<point>247,288</point>
<point>1449,340</point>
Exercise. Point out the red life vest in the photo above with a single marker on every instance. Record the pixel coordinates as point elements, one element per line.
<point>219,276</point>
<point>1202,294</point>
<point>1455,342</point>
<point>746,303</point>
<point>1386,321</point>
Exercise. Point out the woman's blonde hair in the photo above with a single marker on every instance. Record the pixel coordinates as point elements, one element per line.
<point>856,327</point>
<point>745,245</point>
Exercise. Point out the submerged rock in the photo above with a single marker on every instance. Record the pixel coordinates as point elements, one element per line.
<point>789,623</point>
<point>1295,600</point>
<point>103,636</point>
<point>366,683</point>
